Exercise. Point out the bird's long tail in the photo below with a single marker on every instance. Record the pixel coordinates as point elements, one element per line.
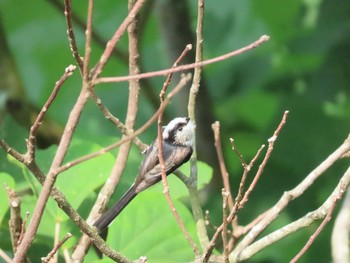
<point>106,219</point>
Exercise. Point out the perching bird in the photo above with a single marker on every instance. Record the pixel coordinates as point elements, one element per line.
<point>178,140</point>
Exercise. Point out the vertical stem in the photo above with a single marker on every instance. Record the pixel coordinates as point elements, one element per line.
<point>199,56</point>
<point>88,33</point>
<point>109,187</point>
<point>196,208</point>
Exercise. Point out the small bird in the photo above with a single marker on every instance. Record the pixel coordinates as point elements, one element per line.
<point>177,146</point>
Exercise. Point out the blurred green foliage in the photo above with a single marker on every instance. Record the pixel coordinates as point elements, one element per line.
<point>304,68</point>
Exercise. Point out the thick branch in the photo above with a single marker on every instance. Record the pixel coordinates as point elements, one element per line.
<point>289,196</point>
<point>52,174</point>
<point>108,189</point>
<point>303,222</point>
<point>340,233</point>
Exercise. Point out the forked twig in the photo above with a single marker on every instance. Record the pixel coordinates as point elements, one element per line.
<point>113,41</point>
<point>178,60</point>
<point>30,155</point>
<point>266,158</point>
<point>116,121</point>
<point>241,250</point>
<point>240,204</point>
<point>306,220</point>
<point>54,250</point>
<point>246,167</point>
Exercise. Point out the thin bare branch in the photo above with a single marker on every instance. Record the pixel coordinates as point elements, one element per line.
<point>239,155</point>
<point>18,156</point>
<point>225,176</point>
<point>23,227</point>
<point>117,35</point>
<point>5,257</point>
<point>87,53</point>
<point>192,182</point>
<point>225,196</point>
<point>247,169</point>
<point>203,63</point>
<point>239,230</point>
<point>162,165</point>
<point>66,256</point>
<point>30,155</point>
<point>116,121</point>
<point>226,182</point>
<point>266,158</point>
<point>197,75</point>
<point>178,60</point>
<point>54,250</point>
<point>242,230</point>
<point>325,221</point>
<point>121,55</point>
<point>71,35</point>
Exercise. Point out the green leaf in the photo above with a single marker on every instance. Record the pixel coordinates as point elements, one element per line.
<point>148,228</point>
<point>79,181</point>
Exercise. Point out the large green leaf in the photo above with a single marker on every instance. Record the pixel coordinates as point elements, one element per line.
<point>148,228</point>
<point>79,181</point>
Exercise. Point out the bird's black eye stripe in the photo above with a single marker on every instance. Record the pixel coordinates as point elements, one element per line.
<point>172,133</point>
<point>180,126</point>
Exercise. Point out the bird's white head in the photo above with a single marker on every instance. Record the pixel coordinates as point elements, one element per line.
<point>180,131</point>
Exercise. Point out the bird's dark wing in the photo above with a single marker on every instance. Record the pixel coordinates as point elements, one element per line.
<point>150,160</point>
<point>150,170</point>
